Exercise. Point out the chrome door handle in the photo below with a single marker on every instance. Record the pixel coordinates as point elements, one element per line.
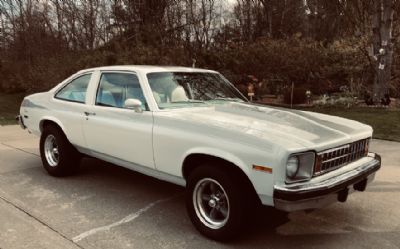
<point>90,113</point>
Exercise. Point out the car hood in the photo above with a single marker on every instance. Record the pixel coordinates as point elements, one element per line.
<point>289,128</point>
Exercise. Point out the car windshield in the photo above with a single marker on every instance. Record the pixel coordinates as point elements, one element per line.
<point>182,89</point>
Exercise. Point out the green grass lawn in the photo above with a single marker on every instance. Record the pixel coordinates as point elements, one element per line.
<point>386,122</point>
<point>9,107</point>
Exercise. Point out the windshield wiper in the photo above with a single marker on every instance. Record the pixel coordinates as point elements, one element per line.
<point>228,99</point>
<point>188,101</point>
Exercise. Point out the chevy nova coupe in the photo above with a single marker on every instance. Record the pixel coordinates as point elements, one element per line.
<point>192,127</point>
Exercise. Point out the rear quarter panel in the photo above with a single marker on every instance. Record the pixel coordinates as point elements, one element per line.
<point>69,116</point>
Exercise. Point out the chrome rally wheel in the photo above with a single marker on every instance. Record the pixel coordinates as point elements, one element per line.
<point>211,203</point>
<point>51,150</point>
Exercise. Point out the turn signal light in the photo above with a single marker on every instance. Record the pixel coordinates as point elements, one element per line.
<point>262,168</point>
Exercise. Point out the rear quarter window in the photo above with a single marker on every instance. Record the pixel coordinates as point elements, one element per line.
<point>75,91</point>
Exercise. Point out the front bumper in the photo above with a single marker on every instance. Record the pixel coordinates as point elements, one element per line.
<point>319,193</point>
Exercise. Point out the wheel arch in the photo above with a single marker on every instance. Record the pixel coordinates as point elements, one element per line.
<point>50,120</point>
<point>232,165</point>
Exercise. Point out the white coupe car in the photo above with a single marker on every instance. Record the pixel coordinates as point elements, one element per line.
<point>192,127</point>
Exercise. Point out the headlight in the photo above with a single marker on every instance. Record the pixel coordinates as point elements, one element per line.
<point>292,166</point>
<point>300,166</point>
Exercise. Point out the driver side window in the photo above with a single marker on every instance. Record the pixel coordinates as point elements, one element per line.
<point>115,88</point>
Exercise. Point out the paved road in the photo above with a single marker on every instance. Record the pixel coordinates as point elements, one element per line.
<point>110,207</point>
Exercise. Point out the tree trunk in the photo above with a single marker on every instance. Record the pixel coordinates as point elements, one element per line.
<point>306,19</point>
<point>382,46</point>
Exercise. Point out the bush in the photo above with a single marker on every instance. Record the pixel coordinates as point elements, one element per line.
<point>336,101</point>
<point>299,96</point>
<point>321,68</point>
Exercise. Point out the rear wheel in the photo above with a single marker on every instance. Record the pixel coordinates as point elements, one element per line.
<point>215,202</point>
<point>59,157</point>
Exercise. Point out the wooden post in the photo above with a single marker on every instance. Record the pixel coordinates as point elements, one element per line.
<point>250,91</point>
<point>291,96</point>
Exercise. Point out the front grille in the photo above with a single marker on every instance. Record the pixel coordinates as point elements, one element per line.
<point>335,158</point>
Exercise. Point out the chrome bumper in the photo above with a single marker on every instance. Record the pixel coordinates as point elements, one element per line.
<point>317,194</point>
<point>20,121</point>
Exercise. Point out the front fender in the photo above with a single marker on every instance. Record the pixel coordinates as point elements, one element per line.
<point>262,182</point>
<point>225,155</point>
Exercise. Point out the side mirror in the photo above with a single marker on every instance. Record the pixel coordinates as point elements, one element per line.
<point>133,104</point>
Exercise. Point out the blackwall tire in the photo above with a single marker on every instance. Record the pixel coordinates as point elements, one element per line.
<point>58,155</point>
<point>214,202</point>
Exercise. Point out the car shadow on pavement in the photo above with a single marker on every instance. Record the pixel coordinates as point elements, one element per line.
<point>267,218</point>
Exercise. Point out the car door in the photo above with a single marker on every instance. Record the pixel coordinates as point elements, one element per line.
<point>117,132</point>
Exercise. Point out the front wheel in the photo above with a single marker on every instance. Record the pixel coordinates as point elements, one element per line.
<point>59,157</point>
<point>215,202</point>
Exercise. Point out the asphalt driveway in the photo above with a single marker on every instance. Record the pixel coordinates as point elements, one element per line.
<point>110,207</point>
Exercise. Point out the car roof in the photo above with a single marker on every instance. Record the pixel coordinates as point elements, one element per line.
<point>149,69</point>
